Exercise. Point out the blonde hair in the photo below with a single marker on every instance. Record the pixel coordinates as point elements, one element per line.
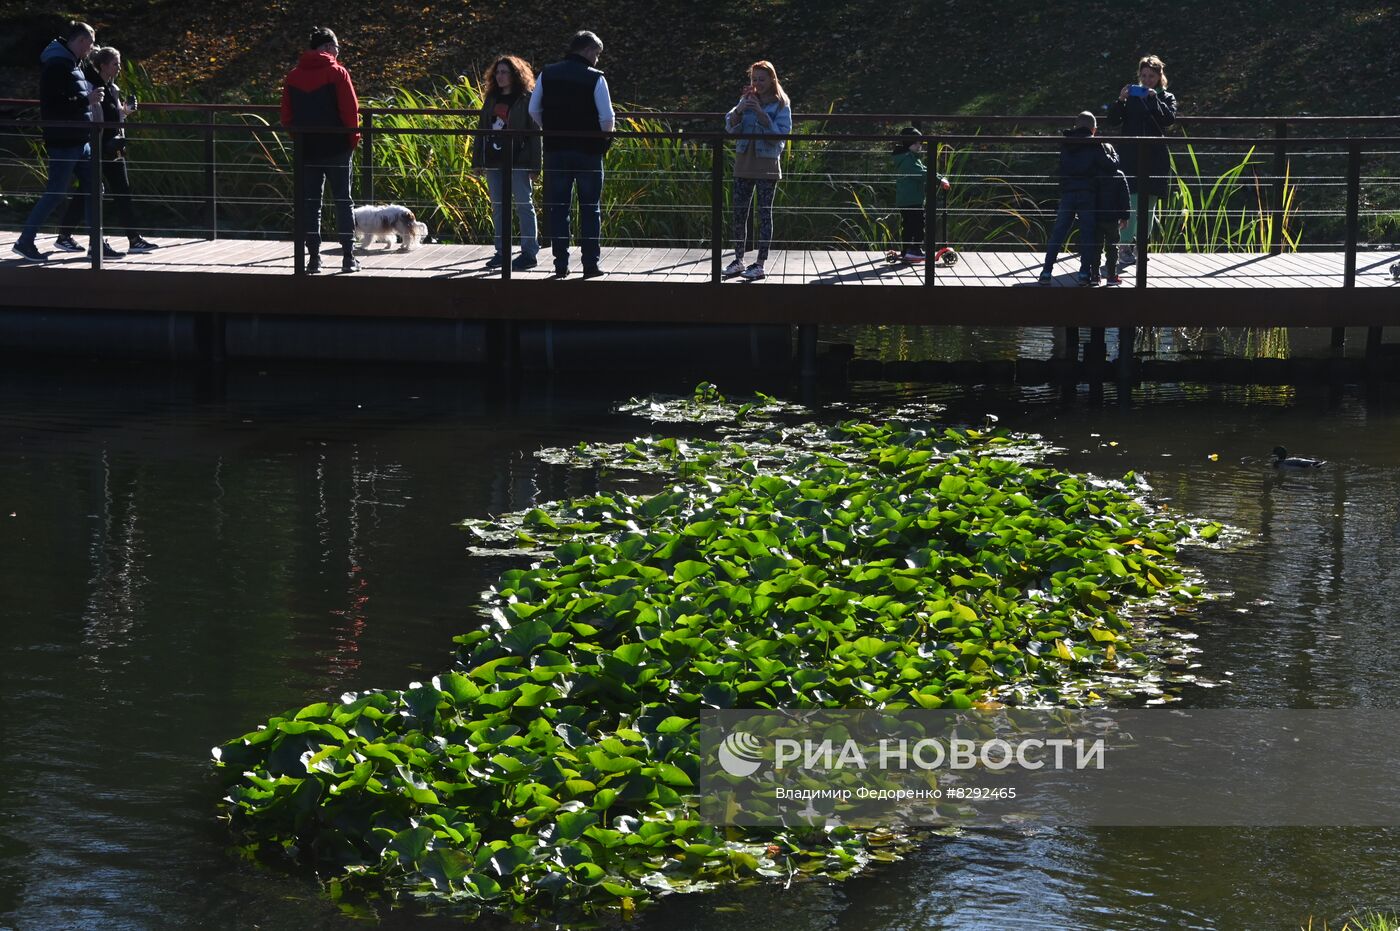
<point>778,91</point>
<point>103,55</point>
<point>1156,64</point>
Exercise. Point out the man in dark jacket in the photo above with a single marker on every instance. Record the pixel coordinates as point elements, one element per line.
<point>1081,162</point>
<point>318,94</point>
<point>65,94</point>
<point>572,95</point>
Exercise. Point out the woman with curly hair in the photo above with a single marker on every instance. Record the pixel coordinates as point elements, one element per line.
<point>506,88</point>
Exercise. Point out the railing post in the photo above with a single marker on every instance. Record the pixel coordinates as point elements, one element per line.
<point>298,210</point>
<point>507,207</point>
<point>1280,170</point>
<point>1353,212</point>
<point>211,194</point>
<point>716,209</point>
<point>930,213</point>
<point>95,237</point>
<point>1353,220</point>
<point>367,156</point>
<point>1144,215</point>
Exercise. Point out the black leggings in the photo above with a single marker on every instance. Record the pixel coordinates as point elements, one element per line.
<point>118,184</point>
<point>912,219</point>
<point>743,192</point>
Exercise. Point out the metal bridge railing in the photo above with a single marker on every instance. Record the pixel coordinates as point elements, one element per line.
<point>232,164</point>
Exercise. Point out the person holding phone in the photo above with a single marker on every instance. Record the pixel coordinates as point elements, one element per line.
<point>107,63</point>
<point>1144,108</point>
<point>765,109</point>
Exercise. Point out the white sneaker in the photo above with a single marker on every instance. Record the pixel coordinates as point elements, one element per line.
<point>754,272</point>
<point>735,267</point>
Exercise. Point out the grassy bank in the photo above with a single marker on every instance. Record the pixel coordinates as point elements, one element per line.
<point>1233,57</point>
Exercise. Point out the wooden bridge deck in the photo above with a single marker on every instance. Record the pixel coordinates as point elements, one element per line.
<point>241,276</point>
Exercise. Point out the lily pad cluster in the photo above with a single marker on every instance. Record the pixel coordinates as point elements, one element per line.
<point>552,770</point>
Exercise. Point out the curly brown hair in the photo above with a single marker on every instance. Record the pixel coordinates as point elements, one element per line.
<point>522,77</point>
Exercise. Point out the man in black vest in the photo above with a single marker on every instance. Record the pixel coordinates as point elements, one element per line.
<point>572,95</point>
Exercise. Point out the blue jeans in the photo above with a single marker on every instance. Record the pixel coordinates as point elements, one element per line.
<point>1072,204</point>
<point>522,198</point>
<point>563,171</point>
<point>64,163</point>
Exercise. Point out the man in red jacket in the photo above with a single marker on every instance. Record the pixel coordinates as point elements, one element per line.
<point>318,94</point>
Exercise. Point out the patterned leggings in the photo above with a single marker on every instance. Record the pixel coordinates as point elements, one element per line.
<point>743,193</point>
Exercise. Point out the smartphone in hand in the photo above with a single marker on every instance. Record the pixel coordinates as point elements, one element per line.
<point>1137,90</point>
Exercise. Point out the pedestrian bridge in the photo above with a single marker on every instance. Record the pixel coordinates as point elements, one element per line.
<point>1297,240</point>
<point>243,277</point>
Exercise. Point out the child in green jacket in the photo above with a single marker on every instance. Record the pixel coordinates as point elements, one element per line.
<point>909,191</point>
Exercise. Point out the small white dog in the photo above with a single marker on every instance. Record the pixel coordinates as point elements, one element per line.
<point>382,221</point>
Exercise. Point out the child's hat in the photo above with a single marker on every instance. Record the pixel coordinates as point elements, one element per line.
<point>910,131</point>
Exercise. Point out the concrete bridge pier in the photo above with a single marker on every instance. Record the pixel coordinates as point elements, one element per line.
<point>807,350</point>
<point>1127,361</point>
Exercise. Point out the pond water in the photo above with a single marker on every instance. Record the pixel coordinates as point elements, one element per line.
<point>176,566</point>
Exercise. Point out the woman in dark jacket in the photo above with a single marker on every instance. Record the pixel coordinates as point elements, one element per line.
<point>506,88</point>
<point>106,64</point>
<point>1143,109</point>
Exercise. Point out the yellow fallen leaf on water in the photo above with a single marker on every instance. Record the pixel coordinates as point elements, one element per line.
<point>1214,457</point>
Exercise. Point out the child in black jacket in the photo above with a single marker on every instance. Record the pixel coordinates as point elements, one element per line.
<point>1111,209</point>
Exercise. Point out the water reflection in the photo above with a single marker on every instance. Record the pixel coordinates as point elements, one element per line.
<point>906,343</point>
<point>117,575</point>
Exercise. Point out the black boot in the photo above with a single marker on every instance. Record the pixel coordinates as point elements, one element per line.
<point>313,256</point>
<point>348,263</point>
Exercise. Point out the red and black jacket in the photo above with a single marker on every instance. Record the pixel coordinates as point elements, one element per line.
<point>318,93</point>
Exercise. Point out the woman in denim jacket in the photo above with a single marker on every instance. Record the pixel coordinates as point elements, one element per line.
<point>764,108</point>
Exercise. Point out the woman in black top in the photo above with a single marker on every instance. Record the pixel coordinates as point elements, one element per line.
<point>105,64</point>
<point>1143,109</point>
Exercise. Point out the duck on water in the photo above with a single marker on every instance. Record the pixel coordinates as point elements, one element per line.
<point>1284,461</point>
